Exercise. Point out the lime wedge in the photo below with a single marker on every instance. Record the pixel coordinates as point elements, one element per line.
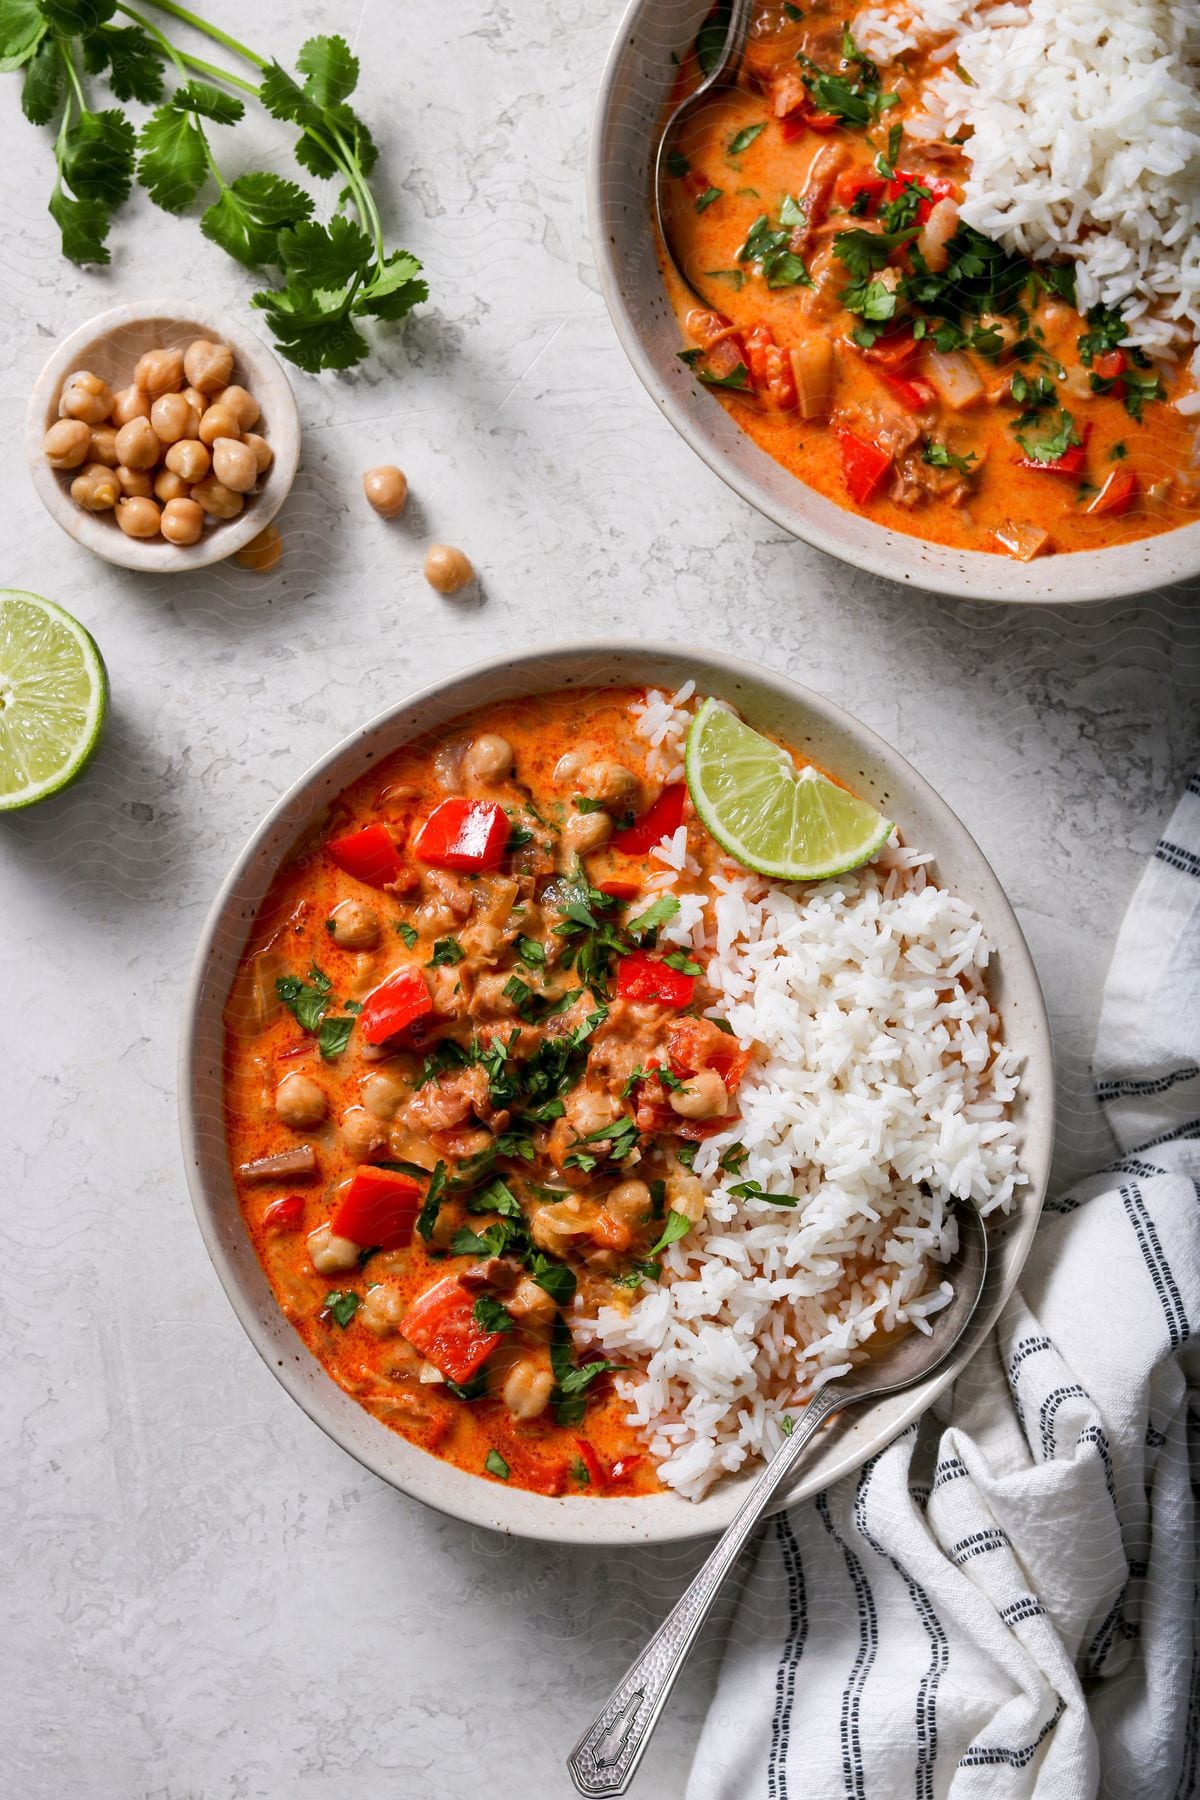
<point>771,816</point>
<point>53,698</point>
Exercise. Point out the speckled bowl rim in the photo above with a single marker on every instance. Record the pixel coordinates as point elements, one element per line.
<point>633,87</point>
<point>263,374</point>
<point>839,741</point>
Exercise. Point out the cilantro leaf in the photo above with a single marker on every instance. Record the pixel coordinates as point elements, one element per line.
<point>490,1315</point>
<point>431,1205</point>
<point>132,60</point>
<point>752,1190</point>
<point>41,89</point>
<point>939,456</point>
<point>737,379</point>
<point>331,69</point>
<point>677,1226</point>
<point>1046,437</point>
<point>83,224</point>
<point>248,214</point>
<point>342,1304</point>
<point>74,17</point>
<point>325,256</point>
<point>312,329</point>
<point>554,1278</point>
<point>1106,331</point>
<point>394,289</point>
<point>209,102</point>
<point>22,28</point>
<point>96,158</point>
<point>745,138</point>
<point>495,1465</point>
<point>333,1035</point>
<point>173,163</point>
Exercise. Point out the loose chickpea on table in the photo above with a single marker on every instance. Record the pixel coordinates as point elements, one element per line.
<point>170,452</point>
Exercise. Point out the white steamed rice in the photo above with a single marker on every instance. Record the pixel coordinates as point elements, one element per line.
<point>879,1091</point>
<point>1085,121</point>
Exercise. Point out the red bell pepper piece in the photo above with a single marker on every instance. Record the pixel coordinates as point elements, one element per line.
<point>395,1005</point>
<point>934,185</point>
<point>853,182</point>
<point>822,121</point>
<point>864,466</point>
<point>657,822</point>
<point>285,1215</point>
<point>807,120</point>
<point>623,1468</point>
<point>1108,365</point>
<point>695,1044</point>
<point>642,977</point>
<point>770,368</point>
<point>463,834</point>
<point>379,1208</point>
<point>914,396</point>
<point>1069,463</point>
<point>893,351</point>
<point>617,889</point>
<point>597,1473</point>
<point>1117,495</point>
<point>368,855</point>
<point>441,1325</point>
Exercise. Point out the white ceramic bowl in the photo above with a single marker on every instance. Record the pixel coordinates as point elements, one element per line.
<point>109,345</point>
<point>807,721</point>
<point>637,81</point>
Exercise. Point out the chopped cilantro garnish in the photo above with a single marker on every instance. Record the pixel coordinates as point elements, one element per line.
<point>446,952</point>
<point>705,200</point>
<point>495,1465</point>
<point>341,1305</point>
<point>677,1226</point>
<point>745,138</point>
<point>407,932</point>
<point>752,1190</point>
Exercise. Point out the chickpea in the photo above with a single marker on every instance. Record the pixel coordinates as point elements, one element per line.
<point>353,926</point>
<point>169,486</point>
<point>263,551</point>
<point>103,447</point>
<point>386,489</point>
<point>630,1202</point>
<point>527,1389</point>
<point>218,501</point>
<point>570,764</point>
<point>234,464</point>
<point>382,1309</point>
<point>489,758</point>
<point>264,456</point>
<point>218,421</point>
<point>67,443</point>
<point>447,569</point>
<point>129,403</point>
<point>362,1135</point>
<point>300,1101</point>
<point>329,1254</point>
<point>95,488</point>
<point>703,1096</point>
<point>609,782</point>
<point>531,1304</point>
<point>208,366</point>
<point>85,397</point>
<point>135,484</point>
<point>182,522</point>
<point>159,372</point>
<point>685,1194</point>
<point>383,1093</point>
<point>139,517</point>
<point>242,405</point>
<point>189,458</point>
<point>587,831</point>
<point>137,445</point>
<point>195,399</point>
<point>172,419</point>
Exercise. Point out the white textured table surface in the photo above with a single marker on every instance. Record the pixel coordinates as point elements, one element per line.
<point>204,1597</point>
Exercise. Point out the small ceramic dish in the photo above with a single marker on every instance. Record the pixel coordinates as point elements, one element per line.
<point>835,740</point>
<point>634,91</point>
<point>110,345</point>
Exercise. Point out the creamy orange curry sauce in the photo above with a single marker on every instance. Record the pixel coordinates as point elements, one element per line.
<point>886,354</point>
<point>466,1080</point>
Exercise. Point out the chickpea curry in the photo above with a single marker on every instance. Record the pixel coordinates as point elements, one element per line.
<point>466,1078</point>
<point>887,354</point>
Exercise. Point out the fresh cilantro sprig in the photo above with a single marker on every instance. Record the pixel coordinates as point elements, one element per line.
<point>332,275</point>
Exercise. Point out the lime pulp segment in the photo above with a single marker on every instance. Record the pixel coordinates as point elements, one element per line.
<point>53,698</point>
<point>771,816</point>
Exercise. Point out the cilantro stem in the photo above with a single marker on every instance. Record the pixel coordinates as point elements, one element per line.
<point>212,31</point>
<point>149,27</point>
<point>218,74</point>
<point>72,74</point>
<point>183,59</point>
<point>363,197</point>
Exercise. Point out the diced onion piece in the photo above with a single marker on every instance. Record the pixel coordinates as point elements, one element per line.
<point>954,377</point>
<point>1022,540</point>
<point>936,233</point>
<point>813,369</point>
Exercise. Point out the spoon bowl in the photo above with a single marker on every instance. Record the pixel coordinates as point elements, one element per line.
<point>605,1759</point>
<point>719,75</point>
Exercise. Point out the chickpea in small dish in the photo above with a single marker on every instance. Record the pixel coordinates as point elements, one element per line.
<point>172,453</point>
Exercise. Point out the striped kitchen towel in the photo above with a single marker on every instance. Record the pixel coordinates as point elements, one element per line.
<point>1004,1602</point>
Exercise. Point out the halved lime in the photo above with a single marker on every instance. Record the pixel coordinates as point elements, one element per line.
<point>53,698</point>
<point>773,817</point>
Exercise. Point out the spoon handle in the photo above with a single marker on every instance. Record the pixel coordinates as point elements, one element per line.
<point>606,1757</point>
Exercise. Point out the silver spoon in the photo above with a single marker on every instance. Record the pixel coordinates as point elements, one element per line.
<point>723,71</point>
<point>606,1757</point>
